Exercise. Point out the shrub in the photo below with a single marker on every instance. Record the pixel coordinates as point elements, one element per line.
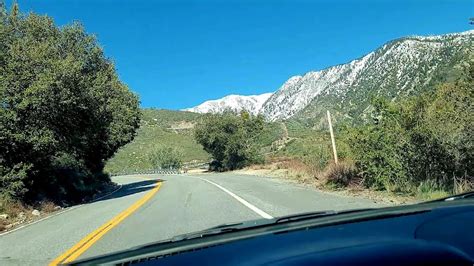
<point>166,158</point>
<point>12,182</point>
<point>420,143</point>
<point>216,166</point>
<point>339,175</point>
<point>381,149</point>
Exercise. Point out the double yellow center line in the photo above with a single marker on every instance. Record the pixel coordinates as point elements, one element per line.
<point>85,243</point>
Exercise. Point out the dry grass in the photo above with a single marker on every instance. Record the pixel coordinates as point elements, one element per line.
<point>16,211</point>
<point>19,213</point>
<point>462,185</point>
<point>284,167</point>
<point>14,208</point>
<point>299,168</point>
<point>47,207</point>
<point>341,175</point>
<point>259,166</point>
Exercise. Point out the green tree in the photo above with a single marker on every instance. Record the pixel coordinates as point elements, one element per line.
<point>230,139</point>
<point>63,110</point>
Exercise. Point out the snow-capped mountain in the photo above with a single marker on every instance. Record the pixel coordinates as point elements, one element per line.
<point>401,67</point>
<point>251,103</point>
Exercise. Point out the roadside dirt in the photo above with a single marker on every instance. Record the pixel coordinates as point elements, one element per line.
<point>16,214</point>
<point>197,171</point>
<point>301,177</point>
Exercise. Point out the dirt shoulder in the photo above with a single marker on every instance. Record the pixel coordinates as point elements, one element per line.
<point>301,177</point>
<point>17,214</point>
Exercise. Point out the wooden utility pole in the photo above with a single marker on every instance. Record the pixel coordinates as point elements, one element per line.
<point>332,138</point>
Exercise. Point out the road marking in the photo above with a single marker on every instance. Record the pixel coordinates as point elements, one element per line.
<point>85,243</point>
<point>241,200</point>
<point>59,212</point>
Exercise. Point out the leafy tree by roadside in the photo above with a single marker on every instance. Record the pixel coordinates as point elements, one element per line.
<point>231,139</point>
<point>63,109</point>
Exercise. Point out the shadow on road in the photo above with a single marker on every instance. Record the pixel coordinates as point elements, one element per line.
<point>132,188</point>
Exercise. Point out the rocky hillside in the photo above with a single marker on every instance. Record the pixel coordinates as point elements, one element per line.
<point>401,67</point>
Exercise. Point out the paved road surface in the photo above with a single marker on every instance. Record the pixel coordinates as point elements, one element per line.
<point>181,204</point>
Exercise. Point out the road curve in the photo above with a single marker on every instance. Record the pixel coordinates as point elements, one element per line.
<point>181,204</point>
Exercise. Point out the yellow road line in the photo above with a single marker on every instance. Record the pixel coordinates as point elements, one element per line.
<point>85,243</point>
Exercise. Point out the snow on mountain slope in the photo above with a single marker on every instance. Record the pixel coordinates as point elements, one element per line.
<point>251,103</point>
<point>397,68</point>
<point>400,67</point>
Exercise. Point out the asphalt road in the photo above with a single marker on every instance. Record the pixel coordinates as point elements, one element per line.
<point>150,208</point>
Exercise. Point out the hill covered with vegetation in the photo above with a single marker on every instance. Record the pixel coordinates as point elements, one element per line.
<point>175,130</point>
<point>159,129</point>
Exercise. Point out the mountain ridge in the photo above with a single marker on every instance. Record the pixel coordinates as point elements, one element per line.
<point>400,67</point>
<point>233,102</point>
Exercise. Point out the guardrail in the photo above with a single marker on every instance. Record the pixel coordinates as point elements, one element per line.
<point>184,169</point>
<point>151,171</point>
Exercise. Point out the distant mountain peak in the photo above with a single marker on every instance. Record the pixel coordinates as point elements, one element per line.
<point>250,103</point>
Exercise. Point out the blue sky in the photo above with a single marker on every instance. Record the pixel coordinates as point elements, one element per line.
<point>177,54</point>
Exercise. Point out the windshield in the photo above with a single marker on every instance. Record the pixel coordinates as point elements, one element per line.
<point>124,123</point>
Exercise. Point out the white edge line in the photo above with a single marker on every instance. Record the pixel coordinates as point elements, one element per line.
<point>60,212</point>
<point>241,200</point>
